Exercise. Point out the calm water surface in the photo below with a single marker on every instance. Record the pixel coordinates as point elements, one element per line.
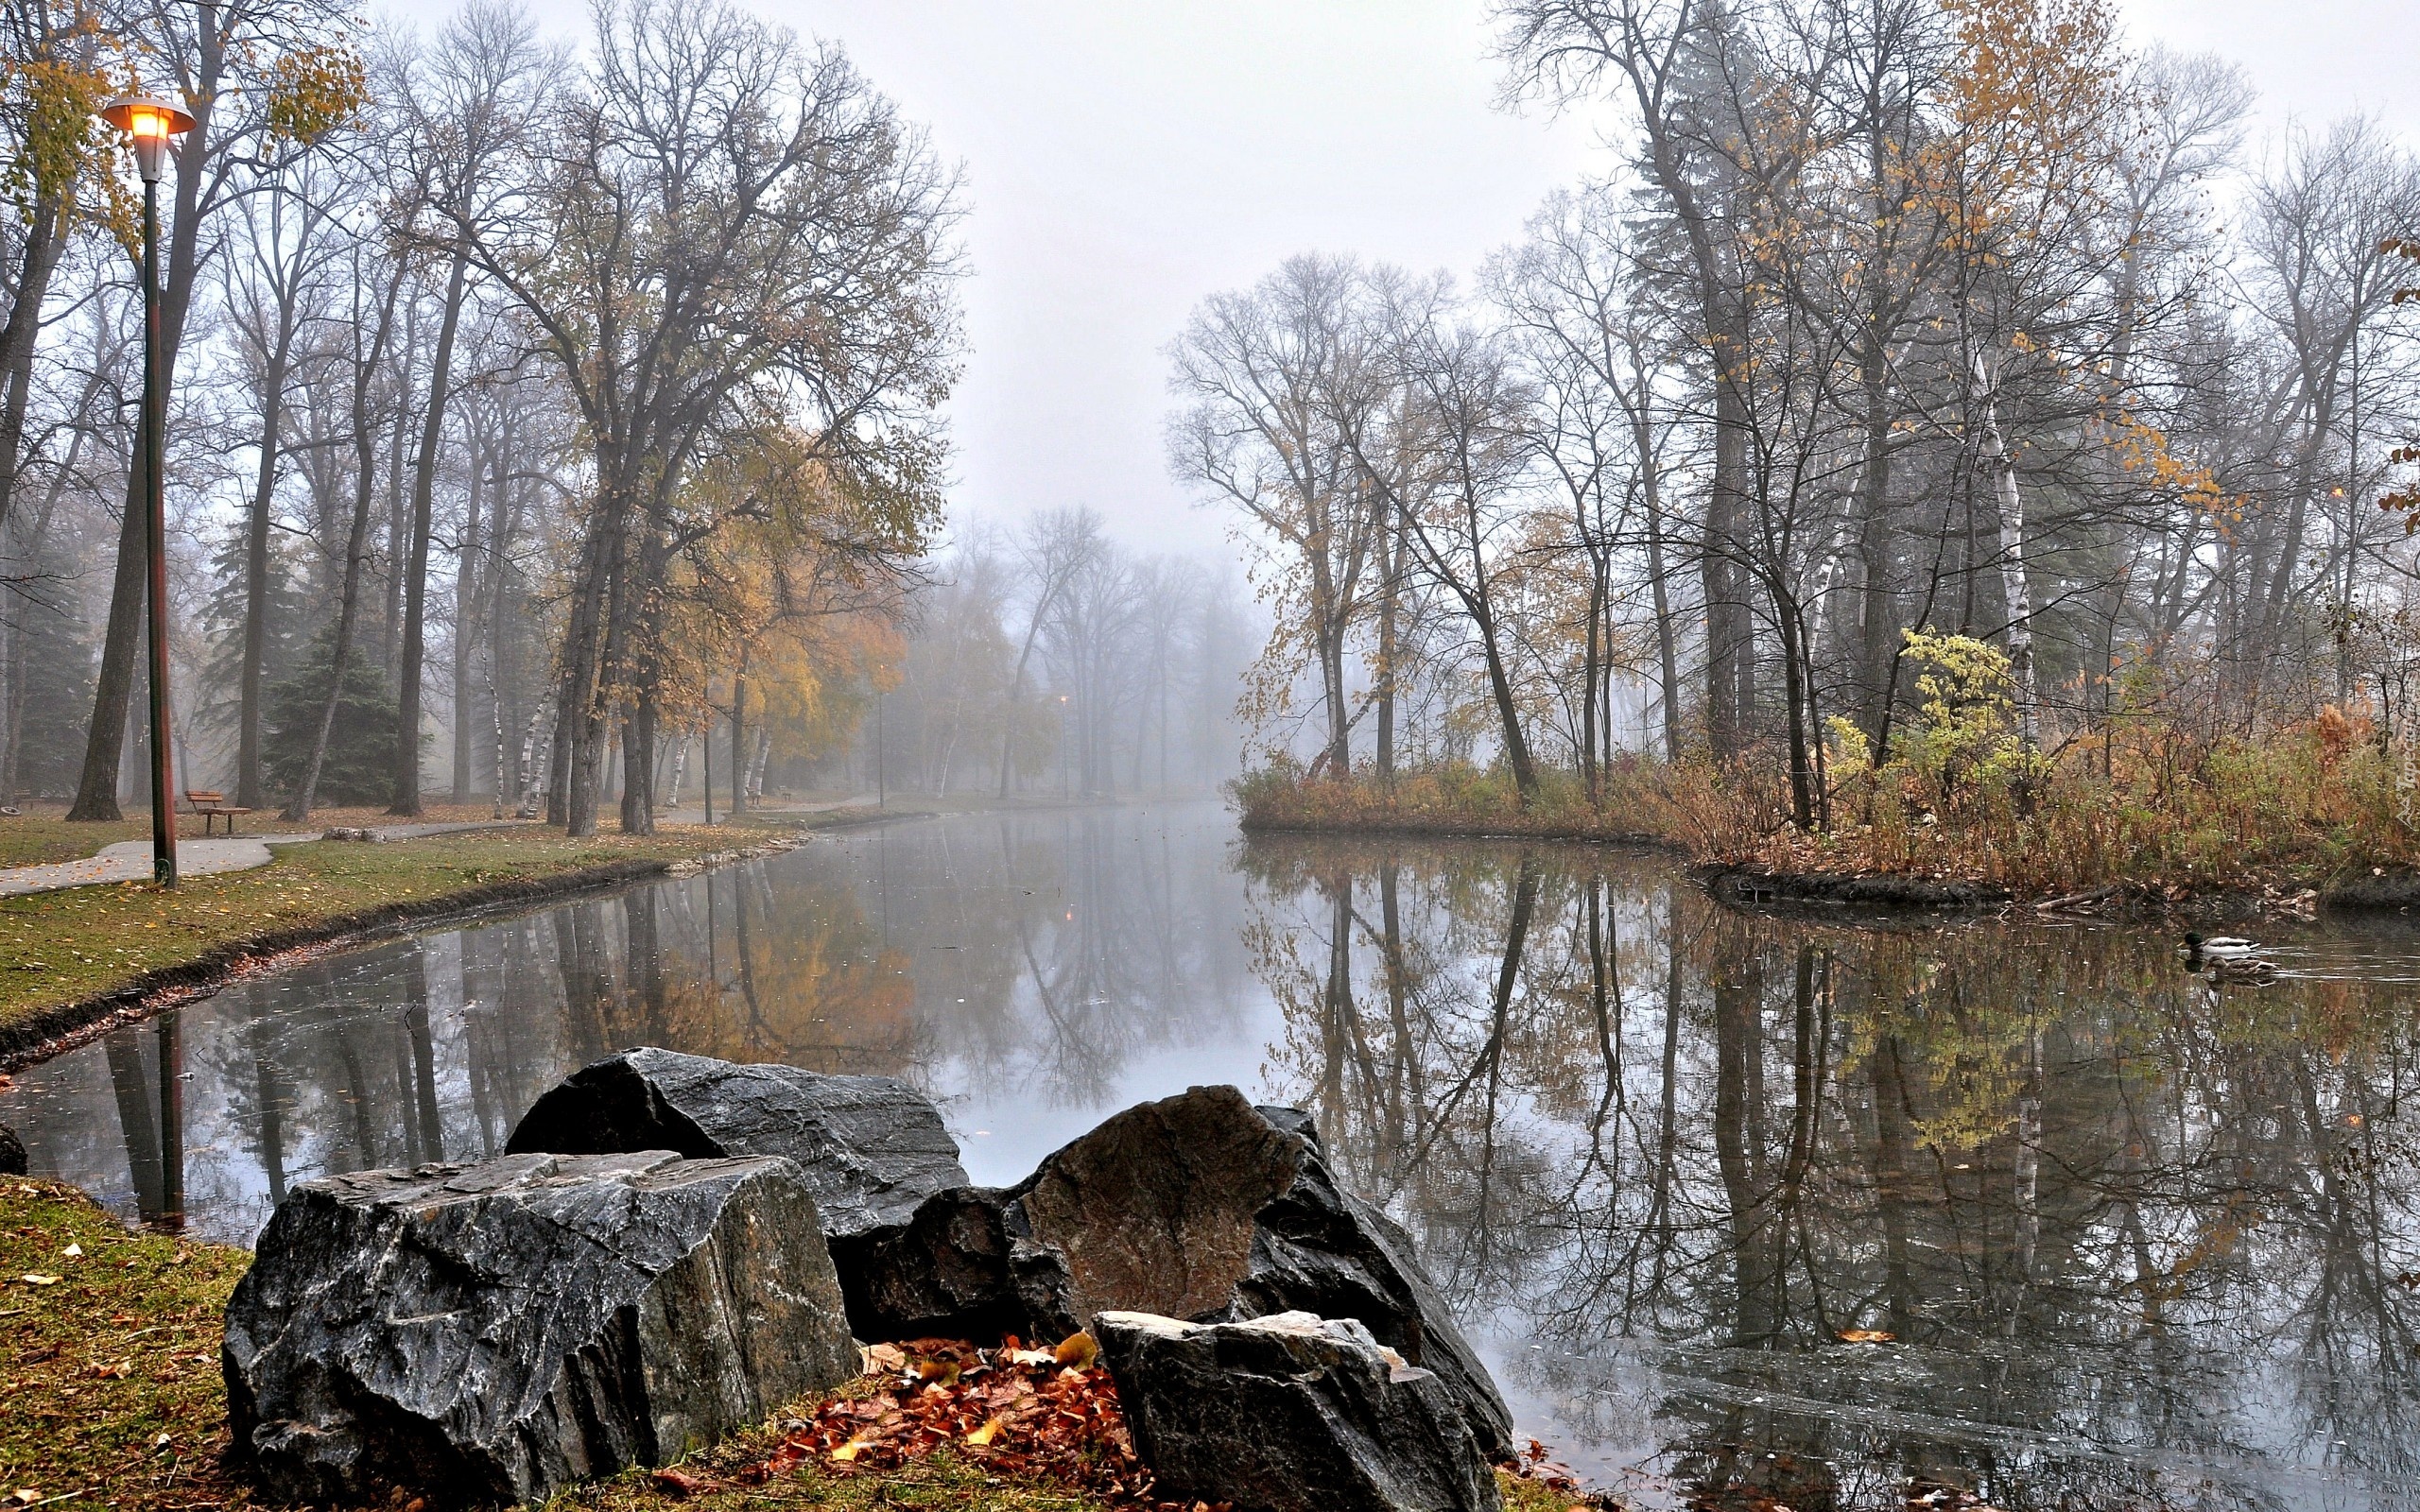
<point>2136,1239</point>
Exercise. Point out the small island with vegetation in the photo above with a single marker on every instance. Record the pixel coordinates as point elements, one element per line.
<point>2137,815</point>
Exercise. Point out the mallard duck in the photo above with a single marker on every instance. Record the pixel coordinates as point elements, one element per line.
<point>2221,949</point>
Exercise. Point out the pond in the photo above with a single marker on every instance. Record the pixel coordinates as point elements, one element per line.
<point>1745,1211</point>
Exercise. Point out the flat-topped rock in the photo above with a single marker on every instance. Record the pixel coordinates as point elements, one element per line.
<point>871,1147</point>
<point>1291,1413</point>
<point>500,1331</point>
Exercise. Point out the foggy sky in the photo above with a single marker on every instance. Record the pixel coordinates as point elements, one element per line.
<point>1125,159</point>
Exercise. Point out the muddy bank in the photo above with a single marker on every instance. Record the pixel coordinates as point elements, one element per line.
<point>1410,827</point>
<point>1756,887</point>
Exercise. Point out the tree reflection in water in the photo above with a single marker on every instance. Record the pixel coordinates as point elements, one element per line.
<point>2136,1241</point>
<point>1048,966</point>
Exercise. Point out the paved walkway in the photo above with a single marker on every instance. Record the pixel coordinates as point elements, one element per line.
<point>695,814</point>
<point>130,860</point>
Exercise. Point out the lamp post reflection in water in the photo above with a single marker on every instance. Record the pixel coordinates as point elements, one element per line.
<point>151,1127</point>
<point>172,1122</point>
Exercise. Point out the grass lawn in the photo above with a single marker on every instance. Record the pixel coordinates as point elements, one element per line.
<point>42,835</point>
<point>115,1398</point>
<point>63,947</point>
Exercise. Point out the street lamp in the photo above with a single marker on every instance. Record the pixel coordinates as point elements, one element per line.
<point>150,123</point>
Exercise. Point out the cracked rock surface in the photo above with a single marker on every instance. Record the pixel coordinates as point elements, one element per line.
<point>499,1331</point>
<point>1291,1413</point>
<point>871,1147</point>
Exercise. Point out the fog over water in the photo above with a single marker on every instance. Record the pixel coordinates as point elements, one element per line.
<point>2136,1238</point>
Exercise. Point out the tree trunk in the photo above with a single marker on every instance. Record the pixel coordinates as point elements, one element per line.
<point>1389,590</point>
<point>738,733</point>
<point>756,766</point>
<point>1729,665</point>
<point>583,698</point>
<point>104,737</point>
<point>1516,746</point>
<point>468,596</point>
<point>638,764</point>
<point>1878,608</point>
<point>365,462</point>
<point>44,239</point>
<point>297,807</point>
<point>2002,467</point>
<point>251,786</point>
<point>432,431</point>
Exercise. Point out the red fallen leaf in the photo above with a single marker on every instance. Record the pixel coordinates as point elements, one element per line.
<point>679,1482</point>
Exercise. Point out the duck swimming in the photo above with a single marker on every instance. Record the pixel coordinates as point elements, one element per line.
<point>2227,957</point>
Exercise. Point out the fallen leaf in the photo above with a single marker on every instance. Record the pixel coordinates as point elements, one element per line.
<point>1077,1351</point>
<point>679,1482</point>
<point>1866,1337</point>
<point>884,1359</point>
<point>984,1435</point>
<point>74,1251</point>
<point>31,1278</point>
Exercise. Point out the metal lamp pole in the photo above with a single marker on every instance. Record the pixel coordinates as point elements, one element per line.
<point>150,123</point>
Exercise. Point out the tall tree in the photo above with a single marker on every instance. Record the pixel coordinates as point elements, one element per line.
<point>731,228</point>
<point>464,107</point>
<point>252,73</point>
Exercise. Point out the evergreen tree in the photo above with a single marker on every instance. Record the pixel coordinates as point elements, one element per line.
<point>57,666</point>
<point>222,622</point>
<point>361,744</point>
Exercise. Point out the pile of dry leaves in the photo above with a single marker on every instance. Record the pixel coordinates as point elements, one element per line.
<point>1042,1413</point>
<point>1047,1414</point>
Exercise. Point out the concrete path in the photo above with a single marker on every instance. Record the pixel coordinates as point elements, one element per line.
<point>695,814</point>
<point>130,860</point>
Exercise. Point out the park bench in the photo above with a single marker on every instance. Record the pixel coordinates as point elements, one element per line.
<point>212,806</point>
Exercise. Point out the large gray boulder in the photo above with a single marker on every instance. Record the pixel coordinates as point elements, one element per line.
<point>1291,1414</point>
<point>499,1332</point>
<point>1198,1206</point>
<point>872,1147</point>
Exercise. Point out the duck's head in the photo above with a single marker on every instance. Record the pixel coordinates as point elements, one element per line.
<point>2192,942</point>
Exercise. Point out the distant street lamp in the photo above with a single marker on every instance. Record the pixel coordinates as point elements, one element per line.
<point>149,123</point>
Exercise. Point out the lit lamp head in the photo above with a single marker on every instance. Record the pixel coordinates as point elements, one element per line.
<point>150,123</point>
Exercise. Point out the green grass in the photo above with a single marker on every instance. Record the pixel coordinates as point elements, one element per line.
<point>37,839</point>
<point>65,947</point>
<point>114,1396</point>
<point>110,1373</point>
<point>42,835</point>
